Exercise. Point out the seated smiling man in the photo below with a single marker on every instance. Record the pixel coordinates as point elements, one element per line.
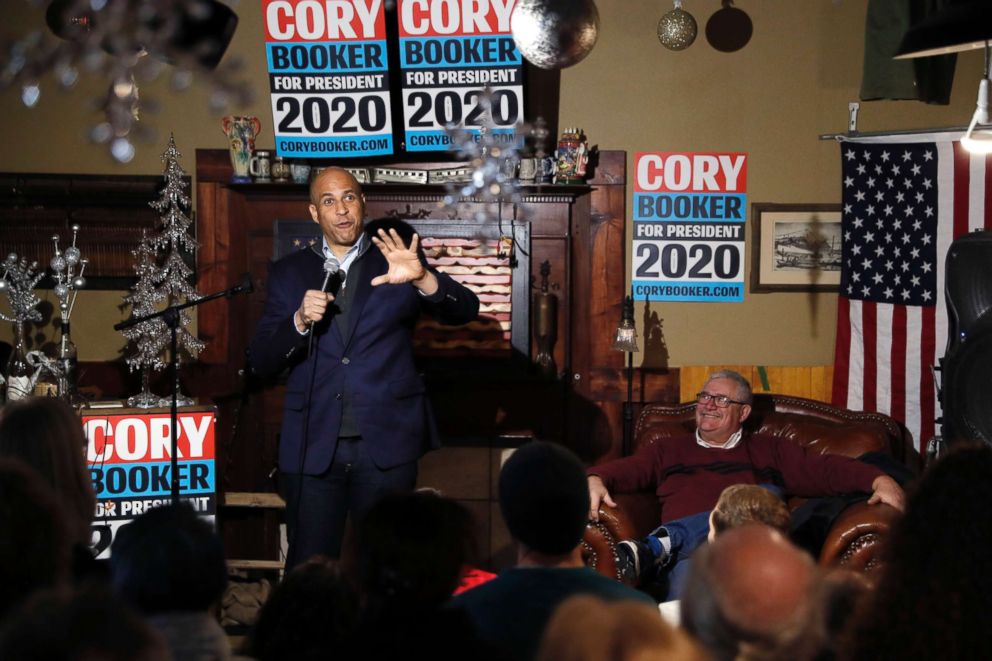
<point>689,472</point>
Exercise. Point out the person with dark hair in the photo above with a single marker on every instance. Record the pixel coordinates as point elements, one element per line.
<point>411,551</point>
<point>47,435</point>
<point>933,596</point>
<point>356,418</point>
<point>34,537</point>
<point>169,564</point>
<point>310,615</point>
<point>87,623</point>
<point>545,501</point>
<point>751,594</point>
<point>689,472</point>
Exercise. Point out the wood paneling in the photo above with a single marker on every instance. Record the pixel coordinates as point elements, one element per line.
<point>811,382</point>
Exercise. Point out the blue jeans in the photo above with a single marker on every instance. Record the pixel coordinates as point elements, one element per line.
<point>317,506</point>
<point>685,535</point>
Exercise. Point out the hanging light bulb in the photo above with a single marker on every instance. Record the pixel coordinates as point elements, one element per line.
<point>677,29</point>
<point>981,142</point>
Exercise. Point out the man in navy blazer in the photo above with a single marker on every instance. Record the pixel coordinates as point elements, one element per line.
<point>356,416</point>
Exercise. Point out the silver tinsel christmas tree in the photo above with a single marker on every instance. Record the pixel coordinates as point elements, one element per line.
<point>147,340</point>
<point>168,283</point>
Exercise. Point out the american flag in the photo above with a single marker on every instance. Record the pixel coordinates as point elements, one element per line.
<point>903,203</point>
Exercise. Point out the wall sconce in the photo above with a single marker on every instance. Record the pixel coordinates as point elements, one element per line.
<point>626,340</point>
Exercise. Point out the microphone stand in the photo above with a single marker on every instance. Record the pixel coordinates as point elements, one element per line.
<point>170,316</point>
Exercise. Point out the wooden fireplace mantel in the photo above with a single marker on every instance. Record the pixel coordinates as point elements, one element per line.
<point>578,230</point>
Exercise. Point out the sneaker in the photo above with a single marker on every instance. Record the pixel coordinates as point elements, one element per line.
<point>628,564</point>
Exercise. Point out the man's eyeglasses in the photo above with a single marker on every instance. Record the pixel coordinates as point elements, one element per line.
<point>721,401</point>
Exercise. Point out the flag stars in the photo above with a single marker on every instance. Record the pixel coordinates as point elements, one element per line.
<point>859,196</point>
<point>856,249</point>
<point>862,169</point>
<point>885,156</point>
<point>917,224</point>
<point>869,237</point>
<point>858,222</point>
<point>850,155</point>
<point>865,291</point>
<point>929,212</point>
<point>926,294</point>
<point>877,278</point>
<point>926,239</point>
<point>866,264</point>
<point>915,252</point>
<point>890,183</point>
<point>888,209</point>
<point>919,196</point>
<point>878,169</point>
<point>916,169</point>
<point>928,155</point>
<point>896,170</point>
<point>906,156</point>
<point>889,265</point>
<point>927,267</point>
<point>915,280</point>
<point>927,184</point>
<point>879,196</point>
<point>905,294</point>
<point>848,208</point>
<point>871,182</point>
<point>888,292</point>
<point>900,197</point>
<point>848,181</point>
<point>907,183</point>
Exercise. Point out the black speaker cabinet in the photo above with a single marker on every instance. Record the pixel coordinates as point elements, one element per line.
<point>966,383</point>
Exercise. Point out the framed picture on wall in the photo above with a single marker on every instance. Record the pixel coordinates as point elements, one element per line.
<point>795,247</point>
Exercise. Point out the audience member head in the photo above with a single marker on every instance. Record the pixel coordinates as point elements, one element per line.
<point>89,623</point>
<point>34,539</point>
<point>47,435</point>
<point>586,628</point>
<point>931,598</point>
<point>168,559</point>
<point>311,612</point>
<point>841,593</point>
<point>412,550</point>
<point>748,503</point>
<point>544,497</point>
<point>750,594</point>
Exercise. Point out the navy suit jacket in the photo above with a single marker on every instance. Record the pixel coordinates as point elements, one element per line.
<point>375,363</point>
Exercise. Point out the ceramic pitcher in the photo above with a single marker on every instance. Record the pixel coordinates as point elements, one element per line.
<point>241,131</point>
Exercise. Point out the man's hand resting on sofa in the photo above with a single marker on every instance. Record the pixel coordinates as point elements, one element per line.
<point>597,494</point>
<point>884,490</point>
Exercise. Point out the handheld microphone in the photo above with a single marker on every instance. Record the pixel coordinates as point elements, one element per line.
<point>331,266</point>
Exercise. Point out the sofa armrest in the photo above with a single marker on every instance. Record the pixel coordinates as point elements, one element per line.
<point>635,515</point>
<point>855,540</point>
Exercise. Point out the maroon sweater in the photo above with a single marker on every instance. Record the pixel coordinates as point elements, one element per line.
<point>689,478</point>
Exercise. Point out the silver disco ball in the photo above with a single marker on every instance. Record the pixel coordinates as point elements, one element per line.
<point>554,34</point>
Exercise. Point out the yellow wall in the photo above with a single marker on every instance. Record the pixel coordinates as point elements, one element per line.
<point>772,99</point>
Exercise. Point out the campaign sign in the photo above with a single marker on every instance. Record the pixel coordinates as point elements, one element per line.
<point>328,77</point>
<point>129,457</point>
<point>450,52</point>
<point>688,239</point>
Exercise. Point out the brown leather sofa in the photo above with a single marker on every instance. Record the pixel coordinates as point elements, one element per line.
<point>854,537</point>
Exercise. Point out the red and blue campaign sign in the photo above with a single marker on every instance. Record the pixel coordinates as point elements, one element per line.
<point>450,52</point>
<point>689,213</point>
<point>329,77</point>
<point>129,458</point>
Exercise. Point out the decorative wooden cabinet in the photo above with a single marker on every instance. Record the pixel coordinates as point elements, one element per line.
<point>577,231</point>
